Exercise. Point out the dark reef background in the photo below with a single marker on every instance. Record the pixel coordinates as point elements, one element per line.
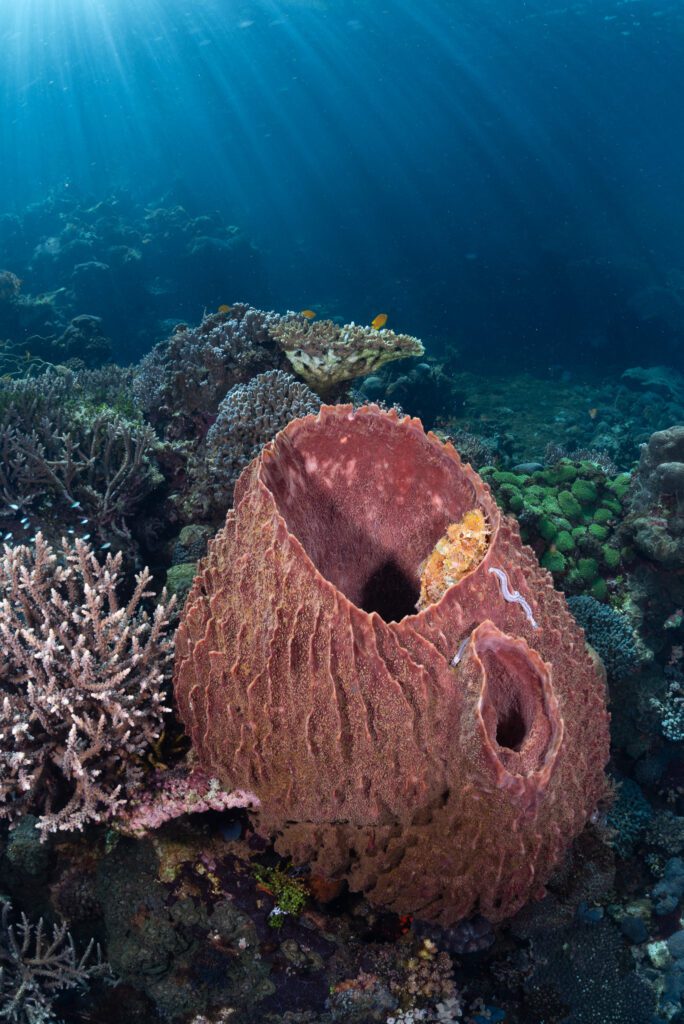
<point>501,178</point>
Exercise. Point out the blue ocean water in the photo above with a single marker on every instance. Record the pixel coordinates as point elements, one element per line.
<point>503,178</point>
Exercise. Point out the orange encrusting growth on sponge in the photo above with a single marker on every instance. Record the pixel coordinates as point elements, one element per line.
<point>457,553</point>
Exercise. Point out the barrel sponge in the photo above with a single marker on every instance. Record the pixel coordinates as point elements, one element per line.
<point>440,760</point>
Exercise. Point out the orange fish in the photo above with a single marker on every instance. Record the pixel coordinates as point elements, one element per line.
<point>224,309</point>
<point>593,413</point>
<point>308,313</point>
<point>379,321</point>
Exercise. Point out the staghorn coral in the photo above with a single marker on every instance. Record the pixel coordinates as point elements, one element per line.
<point>63,446</point>
<point>35,968</point>
<point>304,674</point>
<point>326,354</point>
<point>249,416</point>
<point>180,383</point>
<point>81,683</point>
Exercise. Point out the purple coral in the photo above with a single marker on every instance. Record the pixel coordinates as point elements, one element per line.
<point>178,792</point>
<point>81,683</point>
<point>180,383</point>
<point>249,416</point>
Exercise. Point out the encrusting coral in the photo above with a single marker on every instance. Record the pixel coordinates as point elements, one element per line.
<point>657,499</point>
<point>81,683</point>
<point>325,354</point>
<point>457,553</point>
<point>435,784</point>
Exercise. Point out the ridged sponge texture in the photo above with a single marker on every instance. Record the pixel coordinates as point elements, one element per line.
<point>441,760</point>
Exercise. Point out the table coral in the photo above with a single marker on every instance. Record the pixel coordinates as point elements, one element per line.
<point>325,354</point>
<point>305,675</point>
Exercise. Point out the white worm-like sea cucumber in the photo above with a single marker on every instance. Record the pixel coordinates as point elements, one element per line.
<point>513,595</point>
<point>461,650</point>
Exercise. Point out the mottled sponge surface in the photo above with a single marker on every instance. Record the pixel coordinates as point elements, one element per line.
<point>442,760</point>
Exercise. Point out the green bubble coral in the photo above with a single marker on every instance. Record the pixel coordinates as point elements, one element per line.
<point>599,590</point>
<point>588,569</point>
<point>611,556</point>
<point>547,529</point>
<point>585,491</point>
<point>554,561</point>
<point>564,542</point>
<point>569,504</point>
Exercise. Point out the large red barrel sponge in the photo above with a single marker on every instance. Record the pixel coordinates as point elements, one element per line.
<point>440,760</point>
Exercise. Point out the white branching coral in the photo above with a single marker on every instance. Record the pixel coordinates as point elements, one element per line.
<point>81,683</point>
<point>35,966</point>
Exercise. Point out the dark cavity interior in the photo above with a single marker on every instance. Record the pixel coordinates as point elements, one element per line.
<point>510,726</point>
<point>513,707</point>
<point>368,501</point>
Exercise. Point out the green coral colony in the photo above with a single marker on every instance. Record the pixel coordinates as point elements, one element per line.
<point>570,514</point>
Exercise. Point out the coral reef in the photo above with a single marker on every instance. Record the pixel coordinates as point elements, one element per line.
<point>81,683</point>
<point>249,416</point>
<point>35,967</point>
<point>570,513</point>
<point>326,354</point>
<point>139,267</point>
<point>656,498</point>
<point>74,446</point>
<point>181,382</point>
<point>434,786</point>
<point>611,635</point>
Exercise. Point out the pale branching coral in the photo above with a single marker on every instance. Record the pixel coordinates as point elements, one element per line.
<point>326,354</point>
<point>81,683</point>
<point>36,966</point>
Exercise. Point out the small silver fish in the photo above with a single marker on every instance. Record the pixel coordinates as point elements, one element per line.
<point>84,522</point>
<point>86,536</point>
<point>15,508</point>
<point>76,504</point>
<point>105,546</point>
<point>8,536</point>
